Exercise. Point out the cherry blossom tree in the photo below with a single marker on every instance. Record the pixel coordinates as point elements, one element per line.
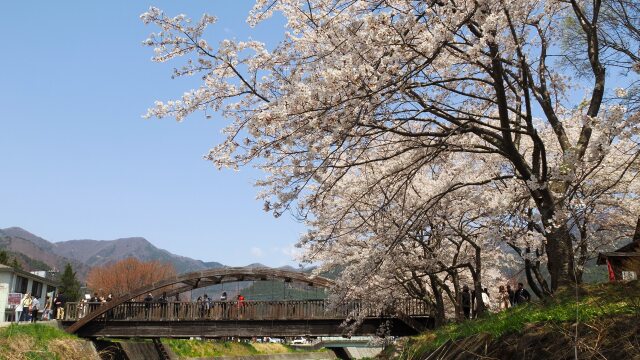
<point>398,101</point>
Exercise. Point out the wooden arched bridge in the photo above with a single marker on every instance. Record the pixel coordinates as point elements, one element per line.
<point>130,316</point>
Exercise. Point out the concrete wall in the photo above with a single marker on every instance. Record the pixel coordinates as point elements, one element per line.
<point>361,352</point>
<point>5,289</point>
<point>324,355</point>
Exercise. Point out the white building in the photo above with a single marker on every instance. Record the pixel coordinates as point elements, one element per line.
<point>15,283</point>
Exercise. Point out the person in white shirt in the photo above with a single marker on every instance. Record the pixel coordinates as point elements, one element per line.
<point>35,307</point>
<point>486,300</point>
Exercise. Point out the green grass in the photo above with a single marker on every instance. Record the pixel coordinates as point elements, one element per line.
<point>200,348</point>
<point>206,348</point>
<point>595,301</point>
<point>42,334</point>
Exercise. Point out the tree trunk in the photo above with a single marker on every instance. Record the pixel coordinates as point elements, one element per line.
<point>439,301</point>
<point>530,280</point>
<point>560,256</point>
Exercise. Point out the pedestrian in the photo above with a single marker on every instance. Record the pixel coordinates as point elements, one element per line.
<point>35,306</point>
<point>54,307</point>
<point>206,304</point>
<point>163,305</point>
<point>95,298</point>
<point>503,298</point>
<point>46,313</point>
<point>147,305</point>
<point>223,304</point>
<point>465,302</point>
<point>60,302</point>
<point>486,300</point>
<point>200,306</point>
<point>94,301</point>
<point>511,295</point>
<point>241,304</point>
<point>176,306</point>
<point>19,309</point>
<point>521,296</point>
<point>83,308</point>
<point>474,304</point>
<point>26,307</point>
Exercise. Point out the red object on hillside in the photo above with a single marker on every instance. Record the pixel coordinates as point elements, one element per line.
<point>612,275</point>
<point>623,263</point>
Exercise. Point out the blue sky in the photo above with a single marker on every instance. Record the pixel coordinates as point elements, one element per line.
<point>79,162</point>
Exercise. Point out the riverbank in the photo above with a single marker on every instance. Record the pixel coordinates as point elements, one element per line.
<point>42,342</point>
<point>606,316</point>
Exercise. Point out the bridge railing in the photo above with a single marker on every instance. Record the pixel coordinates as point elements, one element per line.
<point>246,310</point>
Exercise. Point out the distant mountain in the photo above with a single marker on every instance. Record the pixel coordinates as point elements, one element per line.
<point>255,266</point>
<point>101,252</point>
<point>84,254</point>
<point>24,234</point>
<point>290,268</point>
<point>33,251</point>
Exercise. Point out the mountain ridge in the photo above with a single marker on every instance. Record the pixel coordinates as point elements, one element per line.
<point>86,253</point>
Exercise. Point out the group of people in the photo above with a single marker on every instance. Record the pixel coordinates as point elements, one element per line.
<point>506,298</point>
<point>30,308</point>
<point>204,304</point>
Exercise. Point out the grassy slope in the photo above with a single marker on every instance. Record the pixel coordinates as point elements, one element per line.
<point>595,301</point>
<point>37,341</point>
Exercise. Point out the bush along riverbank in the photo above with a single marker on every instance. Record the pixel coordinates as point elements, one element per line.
<point>42,342</point>
<point>605,317</point>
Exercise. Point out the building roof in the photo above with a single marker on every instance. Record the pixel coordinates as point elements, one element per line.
<point>630,250</point>
<point>5,268</point>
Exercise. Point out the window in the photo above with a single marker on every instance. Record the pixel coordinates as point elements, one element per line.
<point>36,289</point>
<point>629,275</point>
<point>21,285</point>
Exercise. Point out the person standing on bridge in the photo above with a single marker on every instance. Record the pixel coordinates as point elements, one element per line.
<point>206,305</point>
<point>94,301</point>
<point>223,304</point>
<point>147,304</point>
<point>163,305</point>
<point>176,306</point>
<point>199,306</point>
<point>241,305</point>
